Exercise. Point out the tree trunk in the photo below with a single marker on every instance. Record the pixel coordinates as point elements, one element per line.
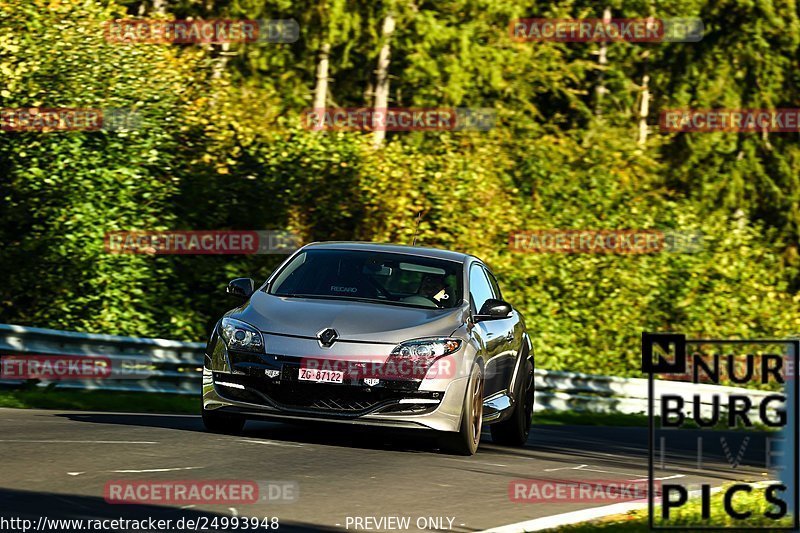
<point>369,93</point>
<point>644,107</point>
<point>644,102</point>
<point>321,87</point>
<point>600,90</point>
<point>160,6</point>
<point>221,61</point>
<point>382,76</point>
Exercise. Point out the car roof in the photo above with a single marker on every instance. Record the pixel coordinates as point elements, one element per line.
<point>422,251</point>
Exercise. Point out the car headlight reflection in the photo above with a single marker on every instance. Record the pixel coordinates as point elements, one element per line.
<point>239,335</point>
<point>427,348</point>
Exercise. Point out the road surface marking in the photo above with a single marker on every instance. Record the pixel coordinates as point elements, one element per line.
<point>272,443</point>
<point>610,472</point>
<point>155,470</point>
<point>565,468</point>
<point>676,476</point>
<point>585,468</point>
<point>475,462</point>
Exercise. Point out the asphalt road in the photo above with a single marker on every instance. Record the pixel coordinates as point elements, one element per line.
<point>56,464</point>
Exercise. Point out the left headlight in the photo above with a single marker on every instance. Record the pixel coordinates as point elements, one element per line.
<point>239,335</point>
<point>435,347</point>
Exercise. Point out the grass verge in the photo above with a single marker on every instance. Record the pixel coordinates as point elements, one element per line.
<point>689,516</point>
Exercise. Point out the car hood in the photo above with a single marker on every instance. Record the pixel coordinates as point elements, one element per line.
<point>353,321</point>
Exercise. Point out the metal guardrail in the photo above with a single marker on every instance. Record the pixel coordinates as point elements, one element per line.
<point>159,365</point>
<point>164,365</point>
<point>568,391</point>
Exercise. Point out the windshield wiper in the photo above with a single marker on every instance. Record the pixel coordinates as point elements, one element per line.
<point>356,299</point>
<point>327,297</point>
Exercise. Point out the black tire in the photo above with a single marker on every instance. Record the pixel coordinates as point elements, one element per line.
<point>514,430</point>
<point>223,422</point>
<point>466,440</point>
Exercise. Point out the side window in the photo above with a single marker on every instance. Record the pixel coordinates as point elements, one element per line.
<point>495,286</point>
<point>480,289</point>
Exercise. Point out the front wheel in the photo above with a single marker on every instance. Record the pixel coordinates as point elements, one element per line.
<point>514,431</point>
<point>465,441</point>
<point>222,422</point>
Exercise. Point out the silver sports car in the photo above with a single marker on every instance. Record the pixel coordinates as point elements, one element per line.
<point>384,335</point>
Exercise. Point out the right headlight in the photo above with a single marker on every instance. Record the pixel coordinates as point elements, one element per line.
<point>424,358</point>
<point>427,348</point>
<point>241,336</point>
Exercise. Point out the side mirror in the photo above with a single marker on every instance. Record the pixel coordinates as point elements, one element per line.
<point>241,287</point>
<point>493,309</point>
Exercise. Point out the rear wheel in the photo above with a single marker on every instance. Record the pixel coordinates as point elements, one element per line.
<point>514,431</point>
<point>222,422</point>
<point>466,440</point>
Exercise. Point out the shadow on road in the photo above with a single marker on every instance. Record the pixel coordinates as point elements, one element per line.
<point>326,434</point>
<point>620,448</point>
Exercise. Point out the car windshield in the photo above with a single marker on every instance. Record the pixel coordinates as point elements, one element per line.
<point>391,278</point>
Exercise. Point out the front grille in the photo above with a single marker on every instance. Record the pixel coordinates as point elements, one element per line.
<point>341,404</point>
<point>342,398</point>
<point>346,398</point>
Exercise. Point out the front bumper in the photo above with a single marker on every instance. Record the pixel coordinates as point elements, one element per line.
<point>399,406</point>
<point>267,386</point>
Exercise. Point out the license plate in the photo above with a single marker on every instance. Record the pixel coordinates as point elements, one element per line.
<point>321,376</point>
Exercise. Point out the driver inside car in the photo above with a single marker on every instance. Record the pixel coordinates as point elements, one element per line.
<point>433,288</point>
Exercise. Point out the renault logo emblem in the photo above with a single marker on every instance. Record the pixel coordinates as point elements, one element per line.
<point>327,337</point>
